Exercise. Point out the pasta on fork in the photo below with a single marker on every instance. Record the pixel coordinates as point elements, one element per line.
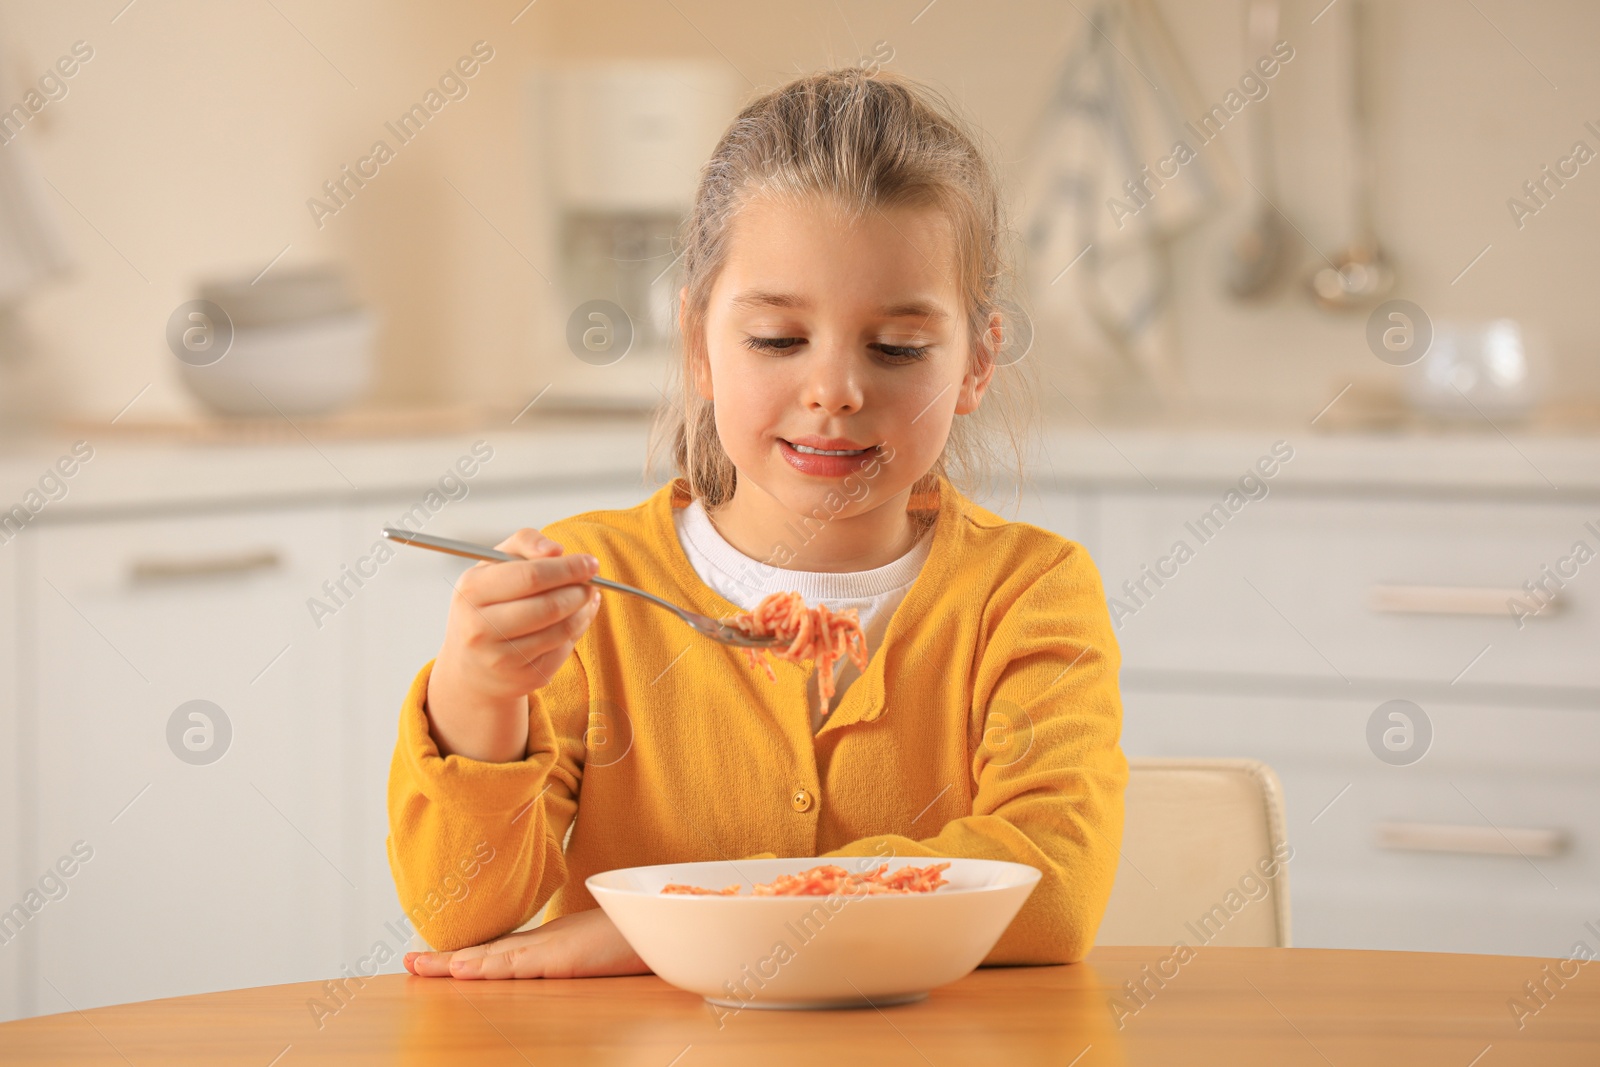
<point>817,634</point>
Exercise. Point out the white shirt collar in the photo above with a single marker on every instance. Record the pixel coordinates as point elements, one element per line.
<point>760,578</point>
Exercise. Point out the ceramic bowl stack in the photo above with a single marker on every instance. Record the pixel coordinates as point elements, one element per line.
<point>301,345</point>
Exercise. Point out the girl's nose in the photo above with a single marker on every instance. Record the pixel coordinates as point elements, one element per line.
<point>833,380</point>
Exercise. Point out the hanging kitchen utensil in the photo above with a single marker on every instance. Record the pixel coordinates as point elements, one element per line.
<point>1264,252</point>
<point>1360,275</point>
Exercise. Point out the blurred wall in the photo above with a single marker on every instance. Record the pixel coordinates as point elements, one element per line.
<point>192,140</point>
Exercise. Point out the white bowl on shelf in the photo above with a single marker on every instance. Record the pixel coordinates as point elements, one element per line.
<point>306,367</point>
<point>1473,370</point>
<point>812,951</point>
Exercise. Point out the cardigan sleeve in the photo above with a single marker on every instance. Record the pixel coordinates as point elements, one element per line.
<point>475,848</point>
<point>1047,764</point>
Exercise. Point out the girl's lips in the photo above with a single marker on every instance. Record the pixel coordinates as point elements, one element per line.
<point>824,466</point>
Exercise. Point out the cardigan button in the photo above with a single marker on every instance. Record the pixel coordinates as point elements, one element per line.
<point>801,800</point>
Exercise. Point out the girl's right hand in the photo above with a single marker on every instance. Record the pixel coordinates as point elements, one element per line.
<point>512,625</point>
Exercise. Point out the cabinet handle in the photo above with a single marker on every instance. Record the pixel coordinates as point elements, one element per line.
<point>157,571</point>
<point>1445,600</point>
<point>1477,840</point>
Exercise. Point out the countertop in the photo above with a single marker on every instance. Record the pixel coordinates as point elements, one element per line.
<point>307,461</point>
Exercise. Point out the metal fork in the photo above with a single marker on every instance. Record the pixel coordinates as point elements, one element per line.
<point>702,624</point>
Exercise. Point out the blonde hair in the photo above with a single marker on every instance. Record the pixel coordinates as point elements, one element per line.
<point>871,140</point>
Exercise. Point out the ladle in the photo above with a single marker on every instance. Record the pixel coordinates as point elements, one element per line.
<point>1360,275</point>
<point>1262,253</point>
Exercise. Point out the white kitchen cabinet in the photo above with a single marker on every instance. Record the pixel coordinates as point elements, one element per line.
<point>203,876</point>
<point>1244,650</point>
<point>1470,874</point>
<point>1286,586</point>
<point>398,626</point>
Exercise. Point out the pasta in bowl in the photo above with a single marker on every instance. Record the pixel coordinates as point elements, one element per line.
<point>819,932</point>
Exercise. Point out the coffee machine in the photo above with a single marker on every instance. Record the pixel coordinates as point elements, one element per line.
<point>619,147</point>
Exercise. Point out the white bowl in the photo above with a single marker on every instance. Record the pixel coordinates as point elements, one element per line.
<point>1476,369</point>
<point>310,367</point>
<point>812,951</point>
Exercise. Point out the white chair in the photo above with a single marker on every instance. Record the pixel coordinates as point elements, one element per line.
<point>1204,857</point>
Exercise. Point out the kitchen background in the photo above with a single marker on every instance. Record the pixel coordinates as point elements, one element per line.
<point>189,482</point>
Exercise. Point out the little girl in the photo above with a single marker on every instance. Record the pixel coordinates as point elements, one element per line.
<point>842,279</point>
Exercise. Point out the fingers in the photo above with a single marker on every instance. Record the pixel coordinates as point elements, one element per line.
<point>567,626</point>
<point>524,954</point>
<point>428,964</point>
<point>524,664</point>
<point>529,542</point>
<point>492,583</point>
<point>584,944</point>
<point>520,962</point>
<point>580,952</point>
<point>517,580</point>
<point>445,964</point>
<point>514,635</point>
<point>498,959</point>
<point>529,615</point>
<point>545,597</point>
<point>486,624</point>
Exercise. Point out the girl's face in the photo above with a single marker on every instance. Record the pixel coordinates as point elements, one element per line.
<point>843,336</point>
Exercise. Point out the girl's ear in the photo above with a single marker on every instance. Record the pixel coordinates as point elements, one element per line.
<point>698,369</point>
<point>975,383</point>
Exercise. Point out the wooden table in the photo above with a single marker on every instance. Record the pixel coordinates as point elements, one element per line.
<point>1230,1006</point>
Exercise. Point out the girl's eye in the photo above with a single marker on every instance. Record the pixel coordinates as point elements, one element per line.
<point>771,344</point>
<point>898,353</point>
<point>904,352</point>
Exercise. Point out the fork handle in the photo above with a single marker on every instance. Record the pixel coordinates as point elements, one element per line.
<point>622,588</point>
<point>494,555</point>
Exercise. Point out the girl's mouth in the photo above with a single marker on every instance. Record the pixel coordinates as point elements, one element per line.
<point>827,463</point>
<point>808,450</point>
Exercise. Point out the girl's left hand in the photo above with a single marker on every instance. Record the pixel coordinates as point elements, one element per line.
<point>585,944</point>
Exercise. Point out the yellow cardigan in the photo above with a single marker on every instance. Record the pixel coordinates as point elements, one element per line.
<point>986,725</point>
